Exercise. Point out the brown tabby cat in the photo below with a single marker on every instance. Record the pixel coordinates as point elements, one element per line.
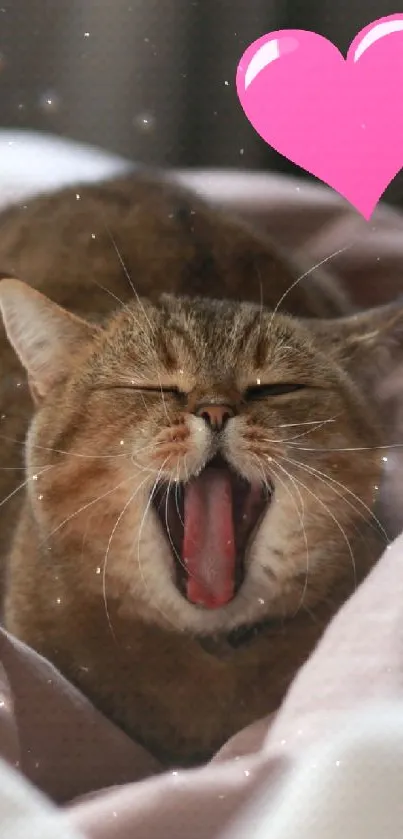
<point>200,472</point>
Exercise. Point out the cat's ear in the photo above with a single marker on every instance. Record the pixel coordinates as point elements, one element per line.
<point>368,345</point>
<point>44,336</point>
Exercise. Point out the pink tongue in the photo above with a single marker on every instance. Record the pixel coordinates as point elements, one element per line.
<point>209,542</point>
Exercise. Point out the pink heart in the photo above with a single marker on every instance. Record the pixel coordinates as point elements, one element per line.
<point>339,119</point>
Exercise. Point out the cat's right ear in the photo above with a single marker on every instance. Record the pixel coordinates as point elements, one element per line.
<point>45,337</point>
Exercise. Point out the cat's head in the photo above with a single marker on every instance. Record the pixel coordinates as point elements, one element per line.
<point>202,464</point>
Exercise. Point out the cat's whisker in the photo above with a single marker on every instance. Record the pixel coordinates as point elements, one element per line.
<point>167,523</point>
<point>185,467</point>
<point>299,513</point>
<point>303,277</point>
<point>22,443</point>
<point>147,508</point>
<point>310,613</point>
<point>23,484</point>
<point>86,507</point>
<point>328,480</point>
<point>311,430</point>
<point>81,455</point>
<point>306,422</point>
<point>178,557</point>
<point>336,521</point>
<point>301,518</point>
<point>383,447</point>
<point>104,564</point>
<point>127,275</point>
<point>260,303</point>
<point>163,399</point>
<point>111,294</point>
<point>176,497</point>
<point>15,468</point>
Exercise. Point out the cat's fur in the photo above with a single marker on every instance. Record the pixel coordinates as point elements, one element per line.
<point>89,579</point>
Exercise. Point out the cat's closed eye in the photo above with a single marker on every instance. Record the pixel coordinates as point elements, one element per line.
<point>252,393</point>
<point>269,390</point>
<point>171,389</point>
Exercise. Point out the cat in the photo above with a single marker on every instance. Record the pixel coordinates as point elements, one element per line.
<point>190,456</point>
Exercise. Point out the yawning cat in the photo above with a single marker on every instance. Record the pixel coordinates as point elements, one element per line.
<point>202,460</point>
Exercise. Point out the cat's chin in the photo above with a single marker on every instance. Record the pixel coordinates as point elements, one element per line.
<point>209,524</point>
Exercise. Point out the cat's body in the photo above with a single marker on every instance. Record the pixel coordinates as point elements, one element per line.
<point>90,583</point>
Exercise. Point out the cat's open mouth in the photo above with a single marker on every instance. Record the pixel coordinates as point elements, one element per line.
<point>209,523</point>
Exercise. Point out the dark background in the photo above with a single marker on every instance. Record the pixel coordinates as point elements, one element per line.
<point>154,79</point>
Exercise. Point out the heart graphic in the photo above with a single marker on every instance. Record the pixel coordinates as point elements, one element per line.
<point>339,119</point>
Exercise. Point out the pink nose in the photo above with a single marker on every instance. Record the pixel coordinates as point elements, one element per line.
<point>216,416</point>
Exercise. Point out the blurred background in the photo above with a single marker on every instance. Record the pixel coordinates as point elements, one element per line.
<point>154,79</point>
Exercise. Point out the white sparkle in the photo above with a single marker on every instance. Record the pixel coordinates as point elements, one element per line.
<point>269,458</point>
<point>98,570</point>
<point>122,442</point>
<point>2,703</point>
<point>18,384</point>
<point>78,196</point>
<point>58,600</point>
<point>144,122</point>
<point>49,101</point>
<point>376,487</point>
<point>261,601</point>
<point>385,459</point>
<point>226,83</point>
<point>3,416</point>
<point>241,151</point>
<point>40,497</point>
<point>34,477</point>
<point>258,381</point>
<point>338,762</point>
<point>175,773</point>
<point>246,772</point>
<point>86,34</point>
<point>93,236</point>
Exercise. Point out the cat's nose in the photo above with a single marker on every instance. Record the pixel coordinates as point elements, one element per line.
<point>216,416</point>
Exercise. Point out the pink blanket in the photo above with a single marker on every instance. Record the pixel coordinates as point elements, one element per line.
<point>106,785</point>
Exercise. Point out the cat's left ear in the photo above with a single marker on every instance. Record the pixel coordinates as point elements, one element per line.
<point>45,337</point>
<point>368,345</point>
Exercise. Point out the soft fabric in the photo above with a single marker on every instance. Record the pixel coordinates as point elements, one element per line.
<point>330,762</point>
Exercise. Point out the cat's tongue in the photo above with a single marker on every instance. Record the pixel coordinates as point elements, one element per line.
<point>209,542</point>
